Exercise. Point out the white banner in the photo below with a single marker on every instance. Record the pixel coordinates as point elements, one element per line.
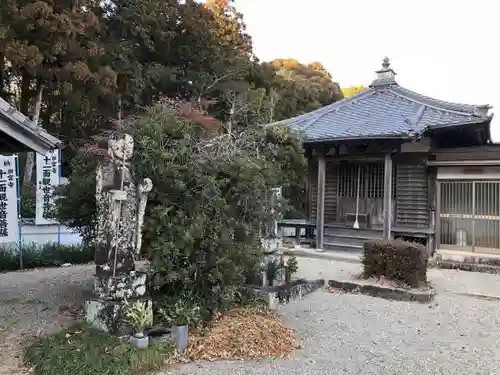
<point>9,220</point>
<point>47,176</point>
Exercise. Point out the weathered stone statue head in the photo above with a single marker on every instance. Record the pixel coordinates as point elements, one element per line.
<point>121,148</point>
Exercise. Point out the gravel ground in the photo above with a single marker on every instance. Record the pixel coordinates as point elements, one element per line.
<point>37,302</point>
<point>356,334</point>
<point>338,333</point>
<point>444,281</point>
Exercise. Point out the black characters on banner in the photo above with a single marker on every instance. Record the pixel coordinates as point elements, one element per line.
<point>48,179</point>
<point>8,199</point>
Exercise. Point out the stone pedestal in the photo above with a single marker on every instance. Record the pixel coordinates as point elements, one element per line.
<point>104,310</point>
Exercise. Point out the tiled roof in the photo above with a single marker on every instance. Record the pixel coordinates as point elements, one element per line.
<point>21,123</point>
<point>385,109</point>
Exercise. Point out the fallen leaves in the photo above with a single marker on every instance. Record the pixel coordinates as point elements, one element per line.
<point>243,333</point>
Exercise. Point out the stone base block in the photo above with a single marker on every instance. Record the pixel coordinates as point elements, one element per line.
<point>467,261</point>
<point>109,316</point>
<point>130,285</point>
<point>382,291</point>
<point>271,244</point>
<point>286,293</point>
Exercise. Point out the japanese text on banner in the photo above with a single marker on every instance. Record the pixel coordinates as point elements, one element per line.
<point>47,174</point>
<point>9,228</point>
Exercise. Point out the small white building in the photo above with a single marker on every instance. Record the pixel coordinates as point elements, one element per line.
<point>18,134</point>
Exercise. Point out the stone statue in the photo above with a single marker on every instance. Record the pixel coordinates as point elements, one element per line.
<point>144,190</point>
<point>121,205</point>
<point>120,210</point>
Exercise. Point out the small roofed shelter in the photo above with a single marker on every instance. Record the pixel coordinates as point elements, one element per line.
<point>18,133</point>
<point>368,173</point>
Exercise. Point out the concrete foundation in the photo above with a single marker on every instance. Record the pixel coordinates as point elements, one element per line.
<point>467,261</point>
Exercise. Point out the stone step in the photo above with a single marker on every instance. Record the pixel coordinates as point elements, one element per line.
<point>466,266</point>
<point>345,247</point>
<point>349,231</point>
<point>332,255</point>
<point>348,239</point>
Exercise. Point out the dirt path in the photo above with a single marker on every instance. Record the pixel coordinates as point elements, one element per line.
<point>37,302</point>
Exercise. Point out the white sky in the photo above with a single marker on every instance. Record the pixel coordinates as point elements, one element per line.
<point>442,48</point>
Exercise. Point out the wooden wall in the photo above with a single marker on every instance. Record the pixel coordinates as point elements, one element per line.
<point>313,187</point>
<point>412,196</point>
<point>491,152</point>
<point>411,192</point>
<point>330,193</point>
<point>330,190</point>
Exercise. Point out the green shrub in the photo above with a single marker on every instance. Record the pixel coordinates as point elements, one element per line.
<point>273,270</point>
<point>211,197</point>
<point>49,255</point>
<point>397,260</point>
<point>182,312</point>
<point>75,204</point>
<point>292,265</point>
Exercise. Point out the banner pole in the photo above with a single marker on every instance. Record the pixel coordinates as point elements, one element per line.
<point>20,225</point>
<point>59,182</point>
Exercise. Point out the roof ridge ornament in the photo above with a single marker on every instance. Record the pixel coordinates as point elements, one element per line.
<point>482,110</point>
<point>386,75</point>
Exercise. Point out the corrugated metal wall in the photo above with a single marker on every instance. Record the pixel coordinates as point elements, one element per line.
<point>412,196</point>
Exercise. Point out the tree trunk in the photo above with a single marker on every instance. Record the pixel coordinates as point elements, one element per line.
<point>232,111</point>
<point>119,105</point>
<point>30,156</point>
<point>24,105</point>
<point>273,99</point>
<point>2,75</point>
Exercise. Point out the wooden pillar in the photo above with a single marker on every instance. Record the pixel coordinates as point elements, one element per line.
<point>388,197</point>
<point>320,210</point>
<point>432,199</point>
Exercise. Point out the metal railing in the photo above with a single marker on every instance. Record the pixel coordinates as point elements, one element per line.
<point>469,215</point>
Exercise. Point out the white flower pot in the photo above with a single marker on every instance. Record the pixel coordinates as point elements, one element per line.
<point>139,340</point>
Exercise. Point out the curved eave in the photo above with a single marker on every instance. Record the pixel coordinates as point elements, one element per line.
<point>438,103</point>
<point>33,139</point>
<point>476,121</point>
<point>401,137</point>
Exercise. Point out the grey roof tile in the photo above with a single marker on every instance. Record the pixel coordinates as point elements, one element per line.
<point>384,110</point>
<point>25,125</point>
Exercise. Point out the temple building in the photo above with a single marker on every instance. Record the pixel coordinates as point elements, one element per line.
<point>389,162</point>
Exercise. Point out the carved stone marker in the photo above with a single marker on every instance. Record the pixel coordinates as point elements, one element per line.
<point>120,205</point>
<point>272,239</point>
